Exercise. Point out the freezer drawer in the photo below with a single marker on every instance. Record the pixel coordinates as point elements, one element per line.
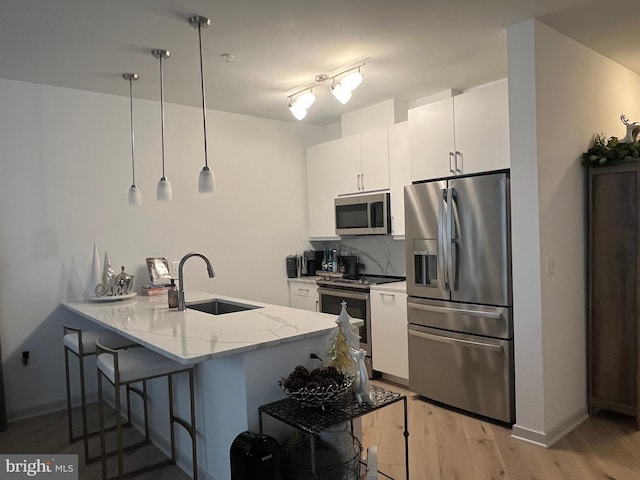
<point>484,320</point>
<point>465,371</point>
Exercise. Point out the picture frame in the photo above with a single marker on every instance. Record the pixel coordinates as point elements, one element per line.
<point>159,273</point>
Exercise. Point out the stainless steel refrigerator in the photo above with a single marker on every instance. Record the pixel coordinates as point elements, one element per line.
<point>460,326</point>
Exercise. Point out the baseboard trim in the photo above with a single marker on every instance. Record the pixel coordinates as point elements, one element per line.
<point>47,408</point>
<point>547,439</point>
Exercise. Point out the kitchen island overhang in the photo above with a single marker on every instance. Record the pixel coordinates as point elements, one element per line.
<point>240,357</point>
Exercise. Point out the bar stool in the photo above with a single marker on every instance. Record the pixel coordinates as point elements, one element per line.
<point>82,344</point>
<point>122,368</point>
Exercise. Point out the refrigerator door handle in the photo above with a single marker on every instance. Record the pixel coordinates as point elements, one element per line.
<point>442,243</point>
<point>456,341</point>
<point>457,311</point>
<point>450,247</point>
<point>455,242</point>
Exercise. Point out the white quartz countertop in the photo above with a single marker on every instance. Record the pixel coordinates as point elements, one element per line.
<point>191,336</point>
<point>311,279</point>
<point>391,287</point>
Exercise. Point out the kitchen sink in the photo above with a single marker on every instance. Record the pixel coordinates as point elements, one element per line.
<point>219,307</point>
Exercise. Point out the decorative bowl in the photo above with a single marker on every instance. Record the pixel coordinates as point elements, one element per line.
<point>319,396</point>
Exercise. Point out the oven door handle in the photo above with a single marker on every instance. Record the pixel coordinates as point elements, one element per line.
<point>457,311</point>
<point>343,293</point>
<point>456,341</point>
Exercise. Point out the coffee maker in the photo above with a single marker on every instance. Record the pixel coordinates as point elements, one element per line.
<point>311,263</point>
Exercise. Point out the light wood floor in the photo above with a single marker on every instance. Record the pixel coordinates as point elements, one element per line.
<point>444,445</point>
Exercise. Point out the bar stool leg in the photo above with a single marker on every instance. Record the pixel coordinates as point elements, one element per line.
<point>103,448</point>
<point>118,428</point>
<point>69,413</point>
<point>83,402</point>
<point>146,410</point>
<point>194,450</point>
<point>171,419</point>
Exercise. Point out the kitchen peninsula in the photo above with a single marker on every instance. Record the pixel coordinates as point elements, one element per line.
<point>239,358</point>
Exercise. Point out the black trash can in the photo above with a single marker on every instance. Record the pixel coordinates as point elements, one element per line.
<point>255,456</point>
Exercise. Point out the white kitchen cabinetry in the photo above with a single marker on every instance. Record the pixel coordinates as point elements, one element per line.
<point>390,350</point>
<point>365,165</point>
<point>303,295</point>
<point>467,133</point>
<point>399,174</point>
<point>324,169</point>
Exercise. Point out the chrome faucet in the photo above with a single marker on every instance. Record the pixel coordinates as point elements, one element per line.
<point>212,274</point>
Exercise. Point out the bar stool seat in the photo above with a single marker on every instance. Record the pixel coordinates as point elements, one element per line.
<point>124,367</point>
<point>82,344</point>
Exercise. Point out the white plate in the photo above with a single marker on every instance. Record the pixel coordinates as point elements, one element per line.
<point>112,298</point>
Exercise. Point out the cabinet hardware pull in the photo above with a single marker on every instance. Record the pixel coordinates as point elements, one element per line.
<point>458,154</point>
<point>451,169</point>
<point>362,180</point>
<point>382,294</point>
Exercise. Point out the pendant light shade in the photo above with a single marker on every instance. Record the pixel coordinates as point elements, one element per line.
<point>206,179</point>
<point>135,195</point>
<point>163,191</point>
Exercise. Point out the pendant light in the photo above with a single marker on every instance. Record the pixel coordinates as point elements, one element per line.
<point>206,180</point>
<point>163,191</point>
<point>135,196</point>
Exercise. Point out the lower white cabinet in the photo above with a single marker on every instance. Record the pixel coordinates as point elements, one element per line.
<point>303,295</point>
<point>390,350</point>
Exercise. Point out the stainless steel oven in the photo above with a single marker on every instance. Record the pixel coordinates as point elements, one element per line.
<point>358,306</point>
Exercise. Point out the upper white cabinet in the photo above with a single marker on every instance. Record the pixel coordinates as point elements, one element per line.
<point>354,164</point>
<point>467,133</point>
<point>399,174</point>
<point>324,169</point>
<point>366,164</point>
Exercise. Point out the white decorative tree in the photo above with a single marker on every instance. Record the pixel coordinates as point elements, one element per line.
<point>345,341</point>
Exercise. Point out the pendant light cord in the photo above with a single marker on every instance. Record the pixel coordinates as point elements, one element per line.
<point>133,151</point>
<point>162,112</point>
<point>204,102</point>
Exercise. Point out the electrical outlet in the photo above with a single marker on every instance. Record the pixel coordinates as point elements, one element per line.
<point>551,266</point>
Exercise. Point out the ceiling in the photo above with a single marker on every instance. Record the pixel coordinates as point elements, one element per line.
<point>412,48</point>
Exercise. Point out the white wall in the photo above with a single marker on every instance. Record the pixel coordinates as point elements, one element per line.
<point>561,93</point>
<point>66,168</point>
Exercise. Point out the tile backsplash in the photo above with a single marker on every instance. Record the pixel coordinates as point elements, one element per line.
<point>380,254</point>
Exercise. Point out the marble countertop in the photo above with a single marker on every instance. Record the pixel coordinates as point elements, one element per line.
<point>311,279</point>
<point>191,336</point>
<point>391,287</point>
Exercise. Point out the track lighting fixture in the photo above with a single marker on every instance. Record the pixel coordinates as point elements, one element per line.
<point>135,196</point>
<point>206,180</point>
<point>350,79</point>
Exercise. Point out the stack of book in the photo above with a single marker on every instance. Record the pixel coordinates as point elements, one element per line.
<point>150,290</point>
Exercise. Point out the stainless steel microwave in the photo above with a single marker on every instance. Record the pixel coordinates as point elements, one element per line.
<point>363,215</point>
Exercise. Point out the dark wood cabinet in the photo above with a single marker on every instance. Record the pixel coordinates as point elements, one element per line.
<point>614,293</point>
